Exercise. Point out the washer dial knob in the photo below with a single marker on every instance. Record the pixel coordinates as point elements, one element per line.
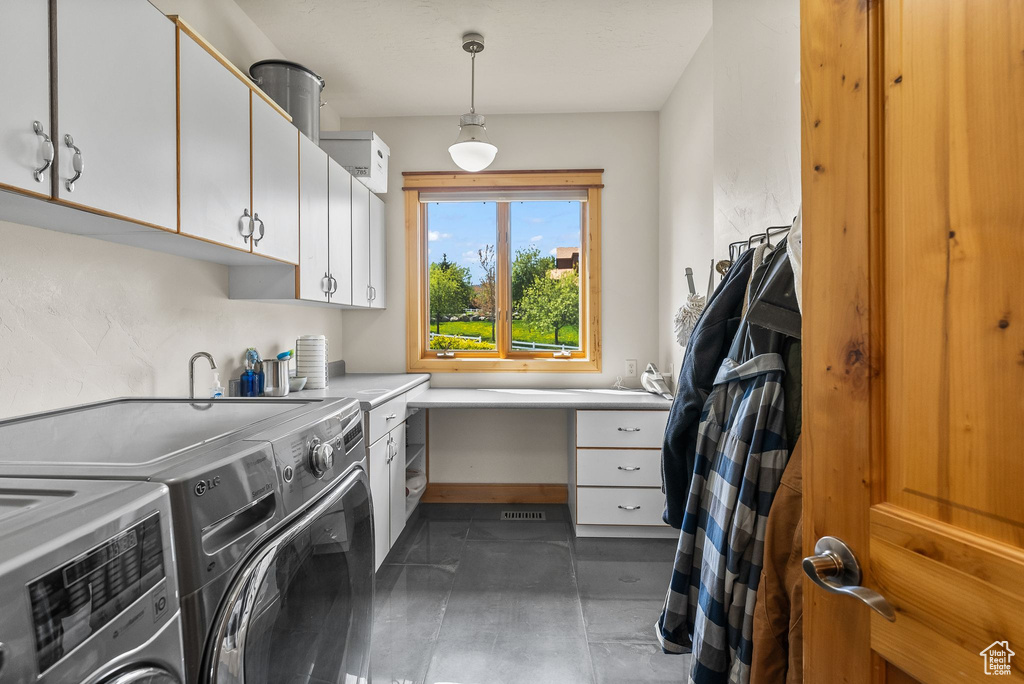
<point>321,458</point>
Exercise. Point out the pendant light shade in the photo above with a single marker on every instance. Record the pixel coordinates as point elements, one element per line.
<point>472,151</point>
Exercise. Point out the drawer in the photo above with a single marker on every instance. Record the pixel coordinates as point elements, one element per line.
<point>619,506</point>
<point>385,418</point>
<point>636,429</point>
<point>618,467</point>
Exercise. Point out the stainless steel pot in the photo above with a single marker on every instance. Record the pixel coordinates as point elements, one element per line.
<point>275,382</point>
<point>294,87</point>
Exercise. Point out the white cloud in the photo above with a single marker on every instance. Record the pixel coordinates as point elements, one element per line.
<point>536,238</point>
<point>554,251</point>
<point>435,235</point>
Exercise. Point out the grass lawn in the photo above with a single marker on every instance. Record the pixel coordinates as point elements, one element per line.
<point>521,331</point>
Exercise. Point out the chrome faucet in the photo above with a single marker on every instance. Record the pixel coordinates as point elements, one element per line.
<point>192,371</point>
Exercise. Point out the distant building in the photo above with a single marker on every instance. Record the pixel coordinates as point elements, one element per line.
<point>567,259</point>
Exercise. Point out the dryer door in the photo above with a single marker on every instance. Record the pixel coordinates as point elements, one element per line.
<point>143,675</point>
<point>302,604</point>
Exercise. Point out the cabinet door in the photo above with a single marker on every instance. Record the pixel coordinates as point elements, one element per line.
<point>360,245</point>
<point>313,220</point>
<point>214,114</point>
<point>380,494</point>
<point>378,255</point>
<point>275,184</point>
<point>25,88</point>
<point>116,100</point>
<point>340,224</point>
<point>397,482</point>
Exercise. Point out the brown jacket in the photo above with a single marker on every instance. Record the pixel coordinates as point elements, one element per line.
<point>778,626</point>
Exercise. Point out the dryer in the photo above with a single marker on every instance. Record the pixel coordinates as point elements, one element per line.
<point>87,583</point>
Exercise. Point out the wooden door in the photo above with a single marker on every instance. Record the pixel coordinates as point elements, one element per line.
<point>380,496</point>
<point>913,429</point>
<point>360,244</point>
<point>115,79</point>
<point>378,254</point>
<point>214,137</point>
<point>25,84</point>
<point>311,279</point>
<point>397,482</point>
<point>275,184</point>
<point>339,221</point>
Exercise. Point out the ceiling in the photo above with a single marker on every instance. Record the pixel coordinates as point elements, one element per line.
<point>405,58</point>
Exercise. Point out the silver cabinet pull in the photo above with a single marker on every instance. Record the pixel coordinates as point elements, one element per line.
<point>47,151</point>
<point>245,225</point>
<point>834,568</point>
<point>333,284</point>
<point>325,284</point>
<point>257,220</point>
<point>630,508</point>
<point>391,416</point>
<point>632,429</point>
<point>369,294</point>
<point>629,469</point>
<point>77,163</point>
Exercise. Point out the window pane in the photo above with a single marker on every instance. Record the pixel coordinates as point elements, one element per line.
<point>545,241</point>
<point>462,254</point>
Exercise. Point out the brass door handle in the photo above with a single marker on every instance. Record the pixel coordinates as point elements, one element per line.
<point>834,568</point>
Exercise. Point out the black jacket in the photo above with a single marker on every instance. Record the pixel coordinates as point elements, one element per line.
<point>709,343</point>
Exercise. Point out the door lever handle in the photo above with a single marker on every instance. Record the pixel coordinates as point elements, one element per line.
<point>834,568</point>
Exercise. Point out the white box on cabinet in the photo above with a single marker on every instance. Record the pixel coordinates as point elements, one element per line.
<point>362,153</point>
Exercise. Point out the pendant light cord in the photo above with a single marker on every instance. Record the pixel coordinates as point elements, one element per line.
<point>472,83</point>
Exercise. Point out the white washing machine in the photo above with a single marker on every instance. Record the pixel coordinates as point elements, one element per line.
<point>88,585</point>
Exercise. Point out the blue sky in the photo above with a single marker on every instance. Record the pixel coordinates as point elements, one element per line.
<point>459,229</point>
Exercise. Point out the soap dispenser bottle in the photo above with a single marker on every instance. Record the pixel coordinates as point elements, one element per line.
<point>217,391</point>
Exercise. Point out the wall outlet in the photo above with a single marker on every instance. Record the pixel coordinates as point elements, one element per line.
<point>630,368</point>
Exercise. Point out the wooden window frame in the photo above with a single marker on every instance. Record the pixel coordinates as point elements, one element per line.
<point>419,358</point>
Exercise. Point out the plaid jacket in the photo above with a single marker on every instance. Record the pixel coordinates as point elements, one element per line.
<point>741,454</point>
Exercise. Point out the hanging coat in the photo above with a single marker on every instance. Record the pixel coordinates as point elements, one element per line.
<point>709,342</point>
<point>740,457</point>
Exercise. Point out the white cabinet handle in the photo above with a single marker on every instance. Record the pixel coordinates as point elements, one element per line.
<point>629,469</point>
<point>630,508</point>
<point>47,151</point>
<point>77,163</point>
<point>257,220</point>
<point>246,225</point>
<point>630,429</point>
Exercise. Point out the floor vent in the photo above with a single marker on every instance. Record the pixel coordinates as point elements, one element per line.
<point>523,515</point>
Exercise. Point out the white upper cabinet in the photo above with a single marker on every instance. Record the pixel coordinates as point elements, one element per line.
<point>378,255</point>
<point>313,281</point>
<point>117,139</point>
<point>360,245</point>
<point>275,184</point>
<point>214,132</point>
<point>25,96</point>
<point>340,228</point>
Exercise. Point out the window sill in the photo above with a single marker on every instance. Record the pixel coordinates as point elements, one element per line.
<point>466,364</point>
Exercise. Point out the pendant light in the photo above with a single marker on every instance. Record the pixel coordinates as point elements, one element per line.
<point>471,151</point>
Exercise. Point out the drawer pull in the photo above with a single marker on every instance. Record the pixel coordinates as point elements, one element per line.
<point>629,469</point>
<point>391,416</point>
<point>632,429</point>
<point>630,508</point>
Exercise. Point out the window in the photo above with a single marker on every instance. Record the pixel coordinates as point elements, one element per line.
<point>503,271</point>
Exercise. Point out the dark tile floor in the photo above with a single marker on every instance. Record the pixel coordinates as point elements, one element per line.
<point>466,598</point>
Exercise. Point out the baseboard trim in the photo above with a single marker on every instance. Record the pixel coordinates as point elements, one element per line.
<point>472,492</point>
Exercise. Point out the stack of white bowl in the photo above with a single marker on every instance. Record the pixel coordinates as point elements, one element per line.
<point>311,360</point>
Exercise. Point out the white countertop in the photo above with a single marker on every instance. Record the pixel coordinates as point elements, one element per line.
<point>371,389</point>
<point>457,397</point>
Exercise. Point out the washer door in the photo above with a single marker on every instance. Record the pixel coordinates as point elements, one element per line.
<point>302,604</point>
<point>143,674</point>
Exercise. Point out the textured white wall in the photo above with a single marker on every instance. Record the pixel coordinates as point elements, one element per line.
<point>624,145</point>
<point>84,320</point>
<point>757,116</point>
<point>686,188</point>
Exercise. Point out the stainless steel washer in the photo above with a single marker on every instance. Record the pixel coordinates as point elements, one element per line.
<point>87,583</point>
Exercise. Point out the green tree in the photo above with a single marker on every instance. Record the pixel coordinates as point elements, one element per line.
<point>487,300</point>
<point>450,290</point>
<point>552,303</point>
<point>527,266</point>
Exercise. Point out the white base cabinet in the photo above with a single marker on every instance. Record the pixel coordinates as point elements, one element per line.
<point>385,430</point>
<point>615,473</point>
